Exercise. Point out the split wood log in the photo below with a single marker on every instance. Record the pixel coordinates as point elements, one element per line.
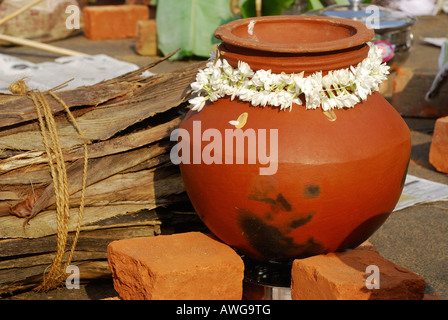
<point>132,190</point>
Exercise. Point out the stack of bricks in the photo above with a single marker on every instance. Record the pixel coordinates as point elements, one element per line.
<point>122,21</point>
<point>196,266</point>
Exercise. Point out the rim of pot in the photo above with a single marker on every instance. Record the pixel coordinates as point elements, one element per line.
<point>323,34</point>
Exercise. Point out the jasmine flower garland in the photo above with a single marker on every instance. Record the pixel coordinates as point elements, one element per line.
<point>338,89</point>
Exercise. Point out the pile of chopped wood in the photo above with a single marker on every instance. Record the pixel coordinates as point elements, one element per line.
<point>132,190</point>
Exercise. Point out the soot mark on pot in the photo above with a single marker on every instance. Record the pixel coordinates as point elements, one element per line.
<point>272,242</point>
<point>264,238</point>
<point>266,234</point>
<point>283,203</point>
<point>263,190</point>
<point>296,223</point>
<point>311,191</point>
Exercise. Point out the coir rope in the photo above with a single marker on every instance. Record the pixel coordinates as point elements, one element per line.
<point>57,275</point>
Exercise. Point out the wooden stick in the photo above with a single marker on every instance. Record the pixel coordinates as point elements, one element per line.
<point>15,14</point>
<point>41,46</point>
<point>258,7</point>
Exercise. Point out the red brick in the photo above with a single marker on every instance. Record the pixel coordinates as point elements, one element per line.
<point>146,44</point>
<point>180,266</point>
<point>367,245</point>
<point>438,152</point>
<point>113,21</point>
<point>343,276</point>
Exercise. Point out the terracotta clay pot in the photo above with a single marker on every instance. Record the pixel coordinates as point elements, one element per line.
<point>336,181</point>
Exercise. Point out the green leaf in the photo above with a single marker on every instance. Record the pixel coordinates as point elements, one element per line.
<point>342,2</point>
<point>268,7</point>
<point>189,25</point>
<point>314,5</point>
<point>275,7</point>
<point>248,9</point>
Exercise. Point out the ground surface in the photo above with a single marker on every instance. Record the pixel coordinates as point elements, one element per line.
<point>415,238</point>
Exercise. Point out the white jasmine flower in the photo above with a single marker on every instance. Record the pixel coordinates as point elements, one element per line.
<point>215,96</point>
<point>327,104</point>
<point>235,92</point>
<point>228,69</point>
<point>235,77</point>
<point>342,77</point>
<point>284,99</point>
<point>217,64</point>
<point>260,98</point>
<point>245,69</point>
<point>215,80</point>
<point>349,100</point>
<point>196,86</point>
<point>339,89</point>
<point>328,81</point>
<point>226,90</point>
<point>297,100</point>
<point>262,79</point>
<point>201,81</point>
<point>198,103</point>
<point>246,94</point>
<point>312,87</point>
<point>286,78</point>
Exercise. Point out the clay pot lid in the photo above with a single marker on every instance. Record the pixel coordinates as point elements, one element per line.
<point>295,34</point>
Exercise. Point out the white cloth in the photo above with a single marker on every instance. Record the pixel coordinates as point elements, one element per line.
<point>46,75</point>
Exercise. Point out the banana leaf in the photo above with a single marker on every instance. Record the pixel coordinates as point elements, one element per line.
<point>314,5</point>
<point>189,25</point>
<point>268,7</point>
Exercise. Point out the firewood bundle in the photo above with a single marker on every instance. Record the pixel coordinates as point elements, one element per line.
<point>132,188</point>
